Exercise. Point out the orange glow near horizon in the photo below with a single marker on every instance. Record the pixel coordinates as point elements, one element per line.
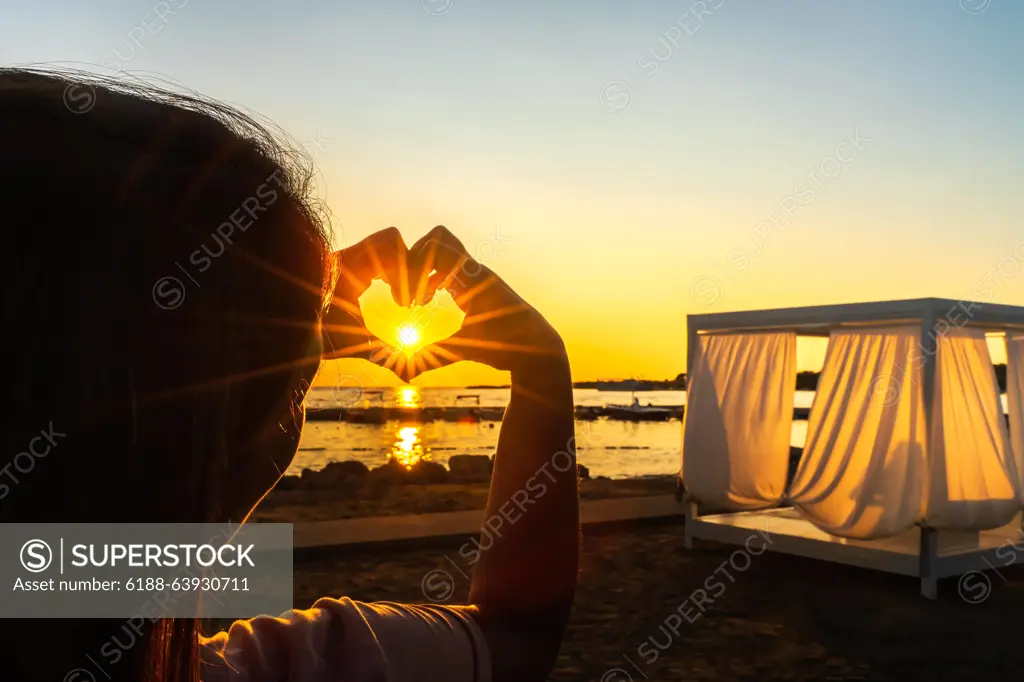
<point>632,324</point>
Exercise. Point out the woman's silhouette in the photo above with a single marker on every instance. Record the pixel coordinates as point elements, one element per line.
<point>169,293</point>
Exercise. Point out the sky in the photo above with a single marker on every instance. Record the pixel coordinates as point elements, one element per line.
<point>621,164</point>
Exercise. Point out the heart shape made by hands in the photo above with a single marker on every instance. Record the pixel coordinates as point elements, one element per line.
<point>501,331</point>
<point>374,313</point>
<point>406,330</point>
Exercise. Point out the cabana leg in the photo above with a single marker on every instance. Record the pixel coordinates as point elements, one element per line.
<point>691,514</point>
<point>929,563</point>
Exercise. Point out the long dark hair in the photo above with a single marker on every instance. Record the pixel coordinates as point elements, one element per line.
<point>164,270</point>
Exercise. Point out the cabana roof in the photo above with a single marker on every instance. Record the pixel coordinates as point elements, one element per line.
<point>819,320</point>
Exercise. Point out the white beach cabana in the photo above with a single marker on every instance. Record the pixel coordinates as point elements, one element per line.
<point>910,465</point>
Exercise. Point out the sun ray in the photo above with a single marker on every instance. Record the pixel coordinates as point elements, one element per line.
<point>384,351</point>
<point>390,361</point>
<point>424,278</point>
<point>378,266</point>
<point>230,379</point>
<point>428,356</point>
<point>536,397</point>
<point>424,363</point>
<point>471,293</point>
<point>354,281</point>
<point>359,350</point>
<point>453,272</point>
<point>403,271</point>
<point>438,349</point>
<point>345,329</point>
<point>409,369</point>
<point>494,314</point>
<point>497,345</point>
<point>318,290</point>
<point>261,320</point>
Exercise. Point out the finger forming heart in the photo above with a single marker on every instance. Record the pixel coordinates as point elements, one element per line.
<point>392,304</point>
<point>488,322</point>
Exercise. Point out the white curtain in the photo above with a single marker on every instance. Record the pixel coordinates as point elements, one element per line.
<point>863,468</point>
<point>1015,400</point>
<point>739,414</point>
<point>972,481</point>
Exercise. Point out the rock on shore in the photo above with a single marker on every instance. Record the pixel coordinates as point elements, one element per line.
<point>352,474</point>
<point>343,490</point>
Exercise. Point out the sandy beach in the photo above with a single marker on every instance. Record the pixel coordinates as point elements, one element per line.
<point>779,618</point>
<point>390,496</point>
<point>647,609</point>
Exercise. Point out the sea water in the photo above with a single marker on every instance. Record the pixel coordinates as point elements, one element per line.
<point>615,449</point>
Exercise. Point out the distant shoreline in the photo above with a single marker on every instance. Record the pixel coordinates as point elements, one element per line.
<point>805,381</point>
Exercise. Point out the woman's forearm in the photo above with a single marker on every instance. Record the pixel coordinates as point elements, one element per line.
<point>529,546</point>
<point>525,565</point>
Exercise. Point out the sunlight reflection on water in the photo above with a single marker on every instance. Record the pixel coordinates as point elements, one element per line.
<point>408,447</point>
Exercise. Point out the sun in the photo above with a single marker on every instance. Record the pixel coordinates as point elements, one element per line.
<point>408,336</point>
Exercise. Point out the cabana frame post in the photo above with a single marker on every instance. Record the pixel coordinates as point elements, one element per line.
<point>692,510</point>
<point>929,548</point>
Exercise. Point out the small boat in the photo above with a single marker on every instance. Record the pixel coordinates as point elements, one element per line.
<point>638,413</point>
<point>490,414</point>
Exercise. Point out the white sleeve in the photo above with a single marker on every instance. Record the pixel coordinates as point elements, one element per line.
<point>340,640</point>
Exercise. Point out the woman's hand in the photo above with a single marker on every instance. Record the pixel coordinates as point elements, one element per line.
<point>382,254</point>
<point>500,328</point>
